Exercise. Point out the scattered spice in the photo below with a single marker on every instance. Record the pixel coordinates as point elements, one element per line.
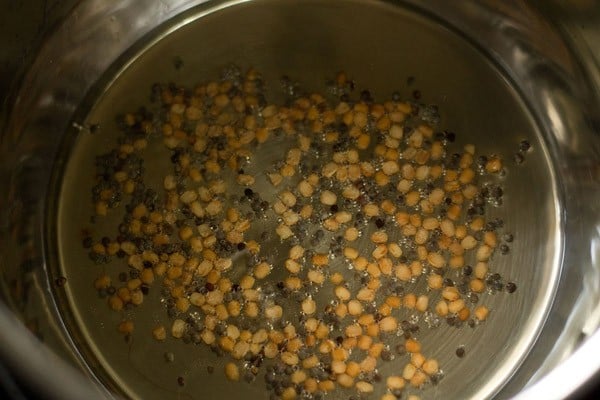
<point>60,281</point>
<point>343,164</point>
<point>511,287</point>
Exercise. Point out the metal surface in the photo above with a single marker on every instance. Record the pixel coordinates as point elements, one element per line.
<point>266,36</point>
<point>540,91</point>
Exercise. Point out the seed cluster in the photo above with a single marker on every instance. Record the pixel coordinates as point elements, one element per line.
<point>321,264</point>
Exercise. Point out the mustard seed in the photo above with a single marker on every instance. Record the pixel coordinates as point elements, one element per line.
<point>511,287</point>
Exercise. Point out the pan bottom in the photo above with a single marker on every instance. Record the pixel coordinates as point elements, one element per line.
<point>307,43</point>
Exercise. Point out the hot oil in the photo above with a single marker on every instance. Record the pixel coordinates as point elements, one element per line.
<point>444,69</point>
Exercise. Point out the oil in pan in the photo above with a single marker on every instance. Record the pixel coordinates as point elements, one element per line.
<point>307,232</point>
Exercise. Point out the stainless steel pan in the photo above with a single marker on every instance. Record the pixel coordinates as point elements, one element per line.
<point>500,73</point>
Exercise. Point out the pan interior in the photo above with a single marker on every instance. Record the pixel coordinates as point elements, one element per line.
<point>379,45</point>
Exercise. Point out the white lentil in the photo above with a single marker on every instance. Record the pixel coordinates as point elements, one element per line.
<point>483,253</point>
<point>284,231</point>
<point>422,303</point>
<point>436,260</point>
<point>274,312</point>
<point>178,328</point>
<point>364,387</point>
<point>328,198</point>
<point>388,324</point>
<point>351,192</point>
<point>390,167</point>
<point>395,382</point>
<point>342,293</point>
<point>289,358</point>
<point>468,242</point>
<point>351,234</point>
<point>481,313</point>
<point>309,306</point>
<point>355,307</point>
<point>379,237</point>
<point>305,188</point>
<point>232,371</point>
<point>288,198</point>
